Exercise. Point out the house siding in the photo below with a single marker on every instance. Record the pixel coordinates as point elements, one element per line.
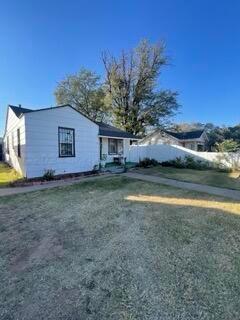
<point>13,123</point>
<point>158,138</point>
<point>164,138</point>
<point>193,144</point>
<point>42,142</point>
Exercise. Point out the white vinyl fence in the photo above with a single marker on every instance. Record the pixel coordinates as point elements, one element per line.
<point>166,152</point>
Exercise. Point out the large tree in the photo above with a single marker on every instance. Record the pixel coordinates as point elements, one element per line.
<point>132,88</point>
<point>185,126</point>
<point>84,92</point>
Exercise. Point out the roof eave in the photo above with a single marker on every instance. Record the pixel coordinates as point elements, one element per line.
<point>117,137</point>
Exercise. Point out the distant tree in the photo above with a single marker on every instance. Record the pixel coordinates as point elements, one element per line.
<point>228,146</point>
<point>132,82</point>
<point>229,154</point>
<point>215,135</point>
<point>84,92</point>
<point>184,126</point>
<point>233,133</point>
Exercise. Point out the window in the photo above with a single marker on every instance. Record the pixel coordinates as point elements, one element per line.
<point>7,147</point>
<point>100,143</point>
<point>18,143</point>
<point>115,146</point>
<point>192,146</point>
<point>66,140</point>
<point>200,147</point>
<point>12,140</point>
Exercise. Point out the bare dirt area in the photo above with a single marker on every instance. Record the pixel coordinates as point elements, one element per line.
<point>118,248</point>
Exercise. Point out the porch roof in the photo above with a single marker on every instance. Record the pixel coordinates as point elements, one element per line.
<point>107,130</point>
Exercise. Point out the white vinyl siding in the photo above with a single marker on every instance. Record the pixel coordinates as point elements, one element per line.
<point>13,124</point>
<point>43,145</point>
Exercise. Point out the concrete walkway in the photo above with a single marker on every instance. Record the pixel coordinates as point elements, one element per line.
<point>49,185</point>
<point>233,194</point>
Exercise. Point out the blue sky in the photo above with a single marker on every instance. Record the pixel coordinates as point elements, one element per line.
<point>42,41</point>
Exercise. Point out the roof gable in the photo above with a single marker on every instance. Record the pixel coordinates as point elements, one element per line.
<point>104,129</point>
<point>19,110</point>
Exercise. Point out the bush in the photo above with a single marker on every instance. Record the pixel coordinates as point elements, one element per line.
<point>49,174</point>
<point>178,163</point>
<point>187,162</point>
<point>96,168</point>
<point>147,162</point>
<point>228,145</point>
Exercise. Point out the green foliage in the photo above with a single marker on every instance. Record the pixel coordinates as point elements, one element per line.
<point>49,174</point>
<point>217,135</point>
<point>184,126</point>
<point>227,146</point>
<point>84,92</point>
<point>147,162</point>
<point>131,83</point>
<point>188,162</point>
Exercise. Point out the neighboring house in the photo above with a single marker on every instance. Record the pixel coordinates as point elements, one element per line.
<point>61,139</point>
<point>194,140</point>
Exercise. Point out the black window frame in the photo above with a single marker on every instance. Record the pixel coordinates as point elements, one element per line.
<point>7,145</point>
<point>117,144</point>
<point>18,143</point>
<point>59,143</point>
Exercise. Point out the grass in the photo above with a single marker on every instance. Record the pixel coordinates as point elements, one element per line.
<point>7,175</point>
<point>208,177</point>
<point>119,249</point>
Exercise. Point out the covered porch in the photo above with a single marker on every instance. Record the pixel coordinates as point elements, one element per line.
<point>114,144</point>
<point>114,150</point>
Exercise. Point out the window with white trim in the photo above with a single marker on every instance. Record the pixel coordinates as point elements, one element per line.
<point>115,146</point>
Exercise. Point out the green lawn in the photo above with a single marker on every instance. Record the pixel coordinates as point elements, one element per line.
<point>7,175</point>
<point>119,249</point>
<point>208,177</point>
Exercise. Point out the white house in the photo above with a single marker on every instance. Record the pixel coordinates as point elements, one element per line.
<point>195,140</point>
<point>61,139</point>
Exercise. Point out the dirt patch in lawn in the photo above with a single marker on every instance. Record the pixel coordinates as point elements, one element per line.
<point>48,248</point>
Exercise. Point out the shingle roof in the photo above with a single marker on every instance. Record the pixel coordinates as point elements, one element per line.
<point>187,135</point>
<point>104,129</point>
<point>110,131</point>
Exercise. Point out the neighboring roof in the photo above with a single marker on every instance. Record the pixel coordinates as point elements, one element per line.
<point>104,129</point>
<point>110,131</point>
<point>187,135</point>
